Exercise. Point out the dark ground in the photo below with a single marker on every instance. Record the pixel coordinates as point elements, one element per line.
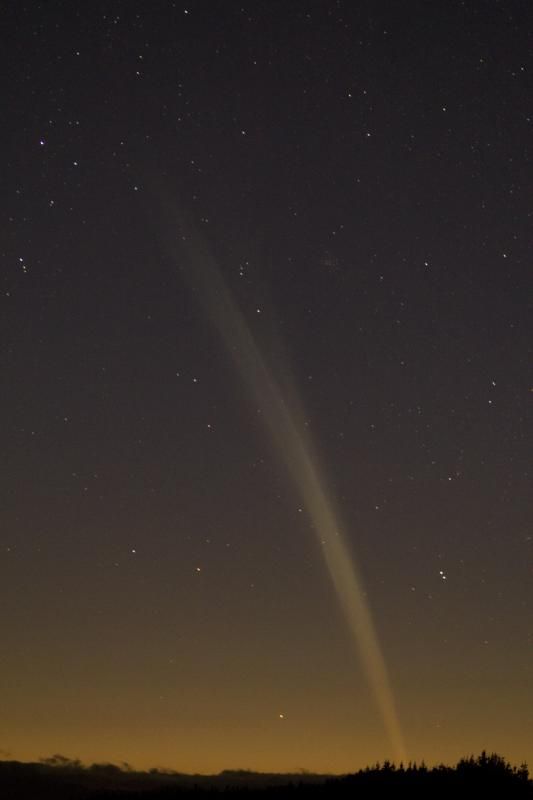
<point>61,779</point>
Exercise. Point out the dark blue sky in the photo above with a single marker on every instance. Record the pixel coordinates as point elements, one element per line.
<point>359,173</point>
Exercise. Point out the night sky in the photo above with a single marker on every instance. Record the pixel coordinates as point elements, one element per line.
<point>265,284</point>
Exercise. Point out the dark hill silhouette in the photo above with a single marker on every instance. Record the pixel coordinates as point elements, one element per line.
<point>59,778</point>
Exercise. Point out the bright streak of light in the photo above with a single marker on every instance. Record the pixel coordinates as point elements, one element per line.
<point>286,426</point>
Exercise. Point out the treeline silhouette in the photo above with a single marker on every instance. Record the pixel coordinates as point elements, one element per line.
<point>60,778</point>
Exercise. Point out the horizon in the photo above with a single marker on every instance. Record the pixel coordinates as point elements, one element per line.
<point>127,764</point>
<point>61,761</point>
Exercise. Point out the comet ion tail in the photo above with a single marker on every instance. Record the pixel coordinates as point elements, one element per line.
<point>284,420</point>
